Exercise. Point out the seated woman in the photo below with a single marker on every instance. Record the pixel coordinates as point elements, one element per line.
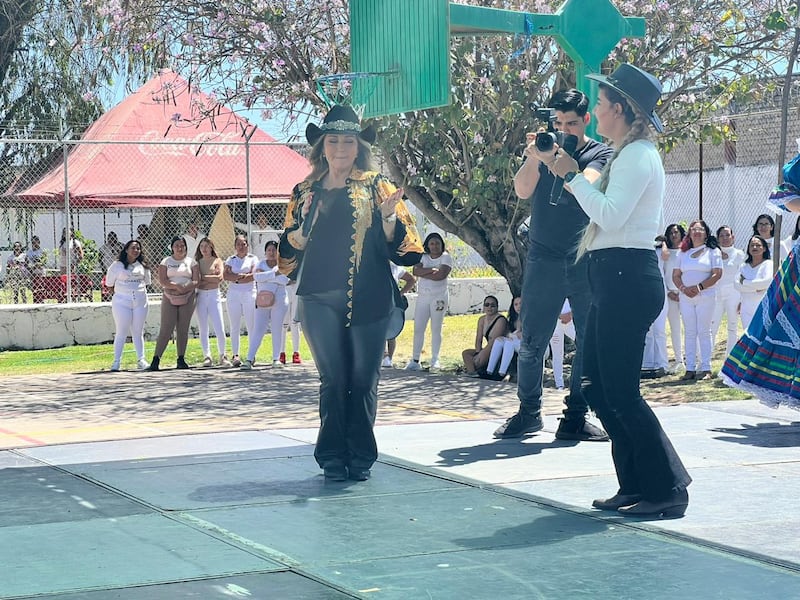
<point>504,348</point>
<point>491,326</point>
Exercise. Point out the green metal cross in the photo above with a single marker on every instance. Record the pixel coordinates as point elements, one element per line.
<point>587,30</point>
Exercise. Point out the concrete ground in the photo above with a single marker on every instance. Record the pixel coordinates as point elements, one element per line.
<point>202,484</point>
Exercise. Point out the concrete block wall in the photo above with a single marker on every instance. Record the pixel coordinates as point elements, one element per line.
<point>39,326</point>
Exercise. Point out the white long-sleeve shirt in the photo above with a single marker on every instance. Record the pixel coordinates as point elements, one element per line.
<point>754,280</point>
<point>630,212</point>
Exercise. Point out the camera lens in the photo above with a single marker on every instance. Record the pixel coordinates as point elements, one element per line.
<point>545,140</point>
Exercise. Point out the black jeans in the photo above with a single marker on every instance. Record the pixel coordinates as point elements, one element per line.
<point>547,282</point>
<point>348,360</point>
<point>627,296</point>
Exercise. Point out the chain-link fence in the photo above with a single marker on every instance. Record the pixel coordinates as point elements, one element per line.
<point>729,183</point>
<point>144,190</point>
<point>118,191</point>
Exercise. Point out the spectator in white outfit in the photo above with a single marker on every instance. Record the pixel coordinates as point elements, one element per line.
<point>432,298</point>
<point>209,301</point>
<point>699,268</point>
<point>674,234</point>
<point>754,277</point>
<point>192,238</point>
<point>399,274</point>
<point>727,295</point>
<point>129,276</point>
<point>765,227</point>
<point>654,360</point>
<point>268,279</point>
<point>788,243</point>
<point>241,298</point>
<point>565,326</point>
<point>504,348</point>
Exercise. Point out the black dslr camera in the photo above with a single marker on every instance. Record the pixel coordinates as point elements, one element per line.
<point>545,139</point>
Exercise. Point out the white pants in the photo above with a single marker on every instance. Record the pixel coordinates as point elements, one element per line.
<point>209,308</point>
<point>240,304</point>
<point>429,307</point>
<point>697,313</point>
<point>557,349</point>
<point>290,322</point>
<point>130,311</point>
<point>728,305</point>
<point>674,318</point>
<point>750,303</point>
<point>655,342</point>
<point>269,317</point>
<point>503,351</point>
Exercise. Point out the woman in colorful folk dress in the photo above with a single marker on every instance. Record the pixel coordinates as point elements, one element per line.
<point>765,360</point>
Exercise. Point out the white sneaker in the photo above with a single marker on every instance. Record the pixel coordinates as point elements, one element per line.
<point>207,362</point>
<point>247,365</point>
<point>387,362</point>
<point>237,362</point>
<point>142,365</point>
<point>435,366</point>
<point>277,363</point>
<point>224,362</point>
<point>413,365</point>
<point>115,365</point>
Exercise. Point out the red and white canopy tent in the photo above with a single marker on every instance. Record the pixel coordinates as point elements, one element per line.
<point>169,144</point>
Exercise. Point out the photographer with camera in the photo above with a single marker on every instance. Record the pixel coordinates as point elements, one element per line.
<point>551,271</point>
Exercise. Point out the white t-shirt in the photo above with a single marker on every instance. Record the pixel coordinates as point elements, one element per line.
<point>671,264</point>
<point>242,265</point>
<point>695,269</point>
<point>134,278</point>
<point>179,271</point>
<point>428,286</point>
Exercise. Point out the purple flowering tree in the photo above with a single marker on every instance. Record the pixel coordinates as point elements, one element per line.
<point>456,162</point>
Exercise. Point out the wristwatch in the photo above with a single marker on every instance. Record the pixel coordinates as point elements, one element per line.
<point>570,176</point>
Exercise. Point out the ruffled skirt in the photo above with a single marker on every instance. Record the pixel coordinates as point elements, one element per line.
<point>766,360</point>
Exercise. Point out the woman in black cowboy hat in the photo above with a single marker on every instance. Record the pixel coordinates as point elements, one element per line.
<point>625,211</point>
<point>344,223</point>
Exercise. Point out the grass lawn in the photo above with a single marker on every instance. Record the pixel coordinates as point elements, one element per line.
<point>458,334</point>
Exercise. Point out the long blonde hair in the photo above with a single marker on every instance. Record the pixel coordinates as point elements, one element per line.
<point>364,159</point>
<point>639,130</point>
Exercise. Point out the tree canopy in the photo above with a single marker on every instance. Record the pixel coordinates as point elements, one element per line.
<point>456,162</point>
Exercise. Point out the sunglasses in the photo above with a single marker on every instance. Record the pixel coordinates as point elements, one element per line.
<point>488,304</point>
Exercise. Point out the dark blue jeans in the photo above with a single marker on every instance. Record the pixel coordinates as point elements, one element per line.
<point>627,296</point>
<point>348,360</point>
<point>547,282</point>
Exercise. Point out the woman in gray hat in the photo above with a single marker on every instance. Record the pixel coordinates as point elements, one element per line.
<point>625,210</point>
<point>344,223</point>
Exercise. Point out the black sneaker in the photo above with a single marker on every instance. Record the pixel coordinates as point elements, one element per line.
<point>182,363</point>
<point>580,430</point>
<point>519,425</point>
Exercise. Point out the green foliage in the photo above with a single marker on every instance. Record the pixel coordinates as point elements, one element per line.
<point>91,254</point>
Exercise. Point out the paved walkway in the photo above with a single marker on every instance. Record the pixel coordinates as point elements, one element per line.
<point>202,484</point>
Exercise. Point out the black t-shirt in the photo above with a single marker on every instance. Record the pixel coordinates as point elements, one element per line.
<point>327,258</point>
<point>556,230</point>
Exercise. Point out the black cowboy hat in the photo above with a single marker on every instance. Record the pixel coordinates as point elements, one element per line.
<point>641,88</point>
<point>340,119</point>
